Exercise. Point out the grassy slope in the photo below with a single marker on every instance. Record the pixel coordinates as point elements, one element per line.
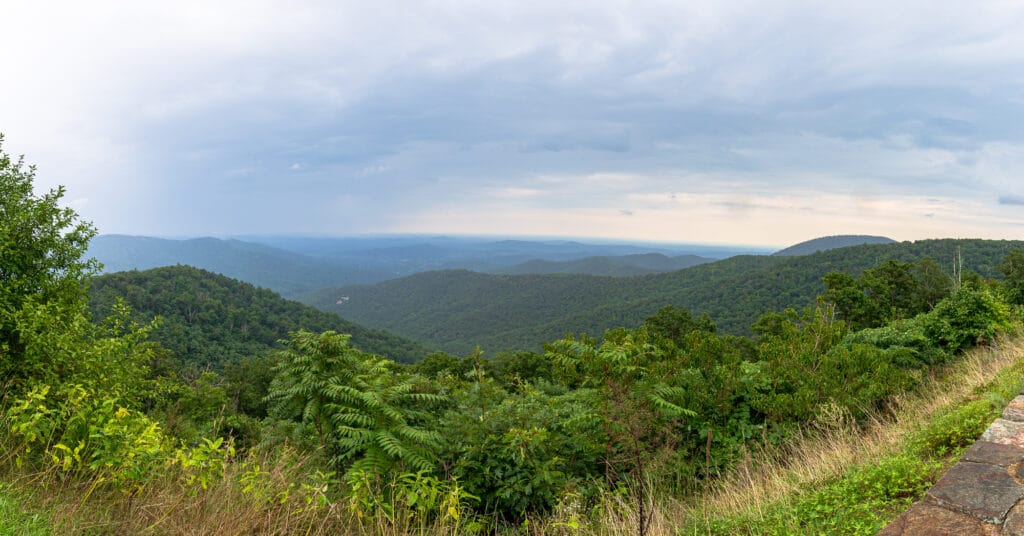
<point>459,310</point>
<point>848,481</point>
<point>15,520</point>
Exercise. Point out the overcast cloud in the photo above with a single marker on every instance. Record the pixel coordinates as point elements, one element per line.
<point>742,122</point>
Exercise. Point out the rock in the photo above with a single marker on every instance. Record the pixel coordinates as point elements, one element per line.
<point>926,519</point>
<point>1014,525</point>
<point>994,453</point>
<point>984,491</point>
<point>1005,432</point>
<point>1015,410</point>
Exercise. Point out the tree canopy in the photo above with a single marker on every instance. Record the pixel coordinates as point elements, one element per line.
<point>41,250</point>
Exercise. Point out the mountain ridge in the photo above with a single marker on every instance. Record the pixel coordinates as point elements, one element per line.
<point>459,310</point>
<point>621,265</point>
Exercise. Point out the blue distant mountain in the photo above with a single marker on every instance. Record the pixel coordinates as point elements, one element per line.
<point>295,265</point>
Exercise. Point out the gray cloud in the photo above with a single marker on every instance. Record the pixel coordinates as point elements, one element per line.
<point>1011,200</point>
<point>341,117</point>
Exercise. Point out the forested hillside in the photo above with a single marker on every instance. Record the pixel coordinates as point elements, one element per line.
<point>622,265</point>
<point>211,320</point>
<point>459,310</point>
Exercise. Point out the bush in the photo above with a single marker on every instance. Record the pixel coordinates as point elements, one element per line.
<point>969,317</point>
<point>520,454</point>
<point>906,341</point>
<point>75,431</point>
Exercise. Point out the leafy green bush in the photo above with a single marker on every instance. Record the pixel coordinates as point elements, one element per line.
<point>519,453</point>
<point>413,500</point>
<point>907,342</point>
<point>367,414</point>
<point>968,317</point>
<point>77,432</point>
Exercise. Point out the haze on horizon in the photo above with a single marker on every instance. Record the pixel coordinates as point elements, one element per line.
<point>715,122</point>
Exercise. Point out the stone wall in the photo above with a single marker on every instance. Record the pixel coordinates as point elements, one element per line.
<point>982,493</point>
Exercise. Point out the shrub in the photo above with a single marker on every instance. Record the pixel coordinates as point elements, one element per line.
<point>906,341</point>
<point>970,316</point>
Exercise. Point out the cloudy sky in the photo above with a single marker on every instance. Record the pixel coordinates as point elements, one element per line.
<point>710,121</point>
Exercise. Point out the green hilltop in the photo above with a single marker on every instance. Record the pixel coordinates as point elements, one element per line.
<point>210,320</point>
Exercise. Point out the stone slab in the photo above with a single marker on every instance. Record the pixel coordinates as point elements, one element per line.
<point>926,519</point>
<point>1015,410</point>
<point>1014,525</point>
<point>1005,432</point>
<point>984,491</point>
<point>994,453</point>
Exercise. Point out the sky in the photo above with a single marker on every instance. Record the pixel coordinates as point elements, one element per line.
<point>739,122</point>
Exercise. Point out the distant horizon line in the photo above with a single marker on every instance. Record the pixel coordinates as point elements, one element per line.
<point>469,236</point>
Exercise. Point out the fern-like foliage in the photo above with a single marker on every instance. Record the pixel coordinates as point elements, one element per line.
<point>368,415</point>
<point>302,377</point>
<point>378,417</point>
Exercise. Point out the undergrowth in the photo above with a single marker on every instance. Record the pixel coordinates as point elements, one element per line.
<point>15,520</point>
<point>838,479</point>
<point>890,465</point>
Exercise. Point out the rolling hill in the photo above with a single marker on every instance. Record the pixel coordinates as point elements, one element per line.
<point>211,320</point>
<point>622,265</point>
<point>264,266</point>
<point>826,243</point>
<point>295,265</point>
<point>459,310</point>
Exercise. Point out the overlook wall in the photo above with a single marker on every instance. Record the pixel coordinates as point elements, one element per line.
<point>982,493</point>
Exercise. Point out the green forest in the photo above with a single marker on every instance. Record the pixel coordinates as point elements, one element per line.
<point>459,310</point>
<point>212,320</point>
<point>175,401</point>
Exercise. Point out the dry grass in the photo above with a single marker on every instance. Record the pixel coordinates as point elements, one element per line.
<point>163,507</point>
<point>831,451</point>
<point>276,504</point>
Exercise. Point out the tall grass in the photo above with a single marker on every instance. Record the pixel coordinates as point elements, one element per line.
<point>14,520</point>
<point>828,452</point>
<point>279,494</point>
